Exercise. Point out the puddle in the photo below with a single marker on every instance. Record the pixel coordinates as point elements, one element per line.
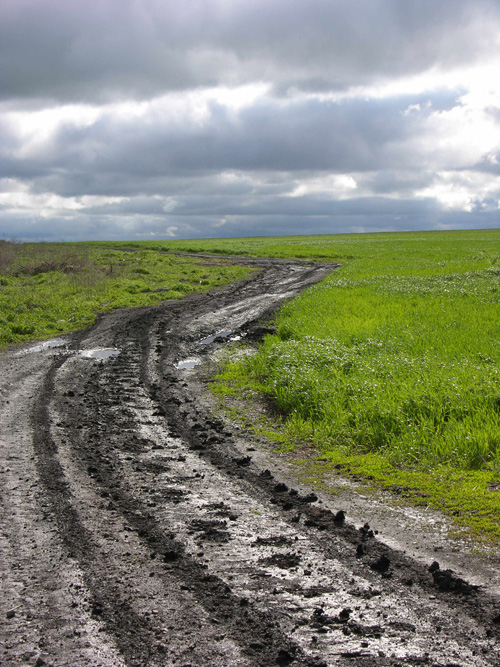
<point>100,353</point>
<point>187,363</point>
<point>44,345</point>
<point>211,339</point>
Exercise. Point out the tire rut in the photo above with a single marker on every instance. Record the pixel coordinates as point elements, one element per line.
<point>185,550</point>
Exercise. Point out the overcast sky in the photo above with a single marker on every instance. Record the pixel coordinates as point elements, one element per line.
<point>143,119</point>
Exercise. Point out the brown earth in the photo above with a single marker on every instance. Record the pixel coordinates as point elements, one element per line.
<point>139,529</point>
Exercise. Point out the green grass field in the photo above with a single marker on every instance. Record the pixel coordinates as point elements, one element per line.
<point>48,289</point>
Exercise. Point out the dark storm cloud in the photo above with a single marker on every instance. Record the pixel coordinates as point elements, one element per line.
<point>122,49</point>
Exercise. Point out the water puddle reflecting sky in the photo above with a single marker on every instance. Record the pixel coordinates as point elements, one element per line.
<point>211,339</point>
<point>100,353</point>
<point>187,364</point>
<point>44,345</point>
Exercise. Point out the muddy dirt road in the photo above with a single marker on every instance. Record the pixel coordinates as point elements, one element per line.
<point>138,529</point>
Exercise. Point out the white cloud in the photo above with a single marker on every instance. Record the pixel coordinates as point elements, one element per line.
<point>20,199</point>
<point>336,186</point>
<point>461,191</point>
<point>168,203</point>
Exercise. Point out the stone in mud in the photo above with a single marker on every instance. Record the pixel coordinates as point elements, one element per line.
<point>381,565</point>
<point>284,561</point>
<point>309,498</point>
<point>243,461</point>
<point>339,517</point>
<point>280,488</point>
<point>284,658</point>
<point>448,582</point>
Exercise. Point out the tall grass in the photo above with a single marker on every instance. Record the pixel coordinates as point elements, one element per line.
<point>35,258</point>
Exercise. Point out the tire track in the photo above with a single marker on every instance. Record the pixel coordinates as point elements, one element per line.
<point>184,549</point>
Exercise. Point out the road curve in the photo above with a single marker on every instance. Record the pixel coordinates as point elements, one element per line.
<point>140,530</point>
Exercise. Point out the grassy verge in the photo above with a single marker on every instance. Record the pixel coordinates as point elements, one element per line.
<point>471,499</point>
<point>48,289</point>
<point>391,368</point>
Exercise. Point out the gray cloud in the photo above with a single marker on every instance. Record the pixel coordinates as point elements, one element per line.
<point>121,49</point>
<point>116,156</point>
<point>387,181</point>
<point>309,155</point>
<point>489,164</point>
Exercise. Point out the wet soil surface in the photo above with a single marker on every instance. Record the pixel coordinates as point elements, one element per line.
<point>139,529</point>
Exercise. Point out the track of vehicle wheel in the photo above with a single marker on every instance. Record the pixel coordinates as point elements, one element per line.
<point>138,529</point>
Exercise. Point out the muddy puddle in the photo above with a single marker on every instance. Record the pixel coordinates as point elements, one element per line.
<point>226,336</point>
<point>100,353</point>
<point>43,346</point>
<point>219,335</point>
<point>61,347</point>
<point>187,364</point>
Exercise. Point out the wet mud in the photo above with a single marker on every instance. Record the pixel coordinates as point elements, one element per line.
<point>140,529</point>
